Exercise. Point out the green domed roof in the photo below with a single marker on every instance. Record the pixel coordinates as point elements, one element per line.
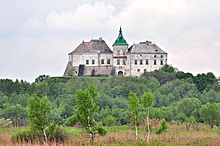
<point>120,40</point>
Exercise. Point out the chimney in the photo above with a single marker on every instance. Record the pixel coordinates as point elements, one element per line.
<point>148,42</point>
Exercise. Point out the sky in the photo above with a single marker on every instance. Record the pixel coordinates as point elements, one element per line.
<point>37,35</point>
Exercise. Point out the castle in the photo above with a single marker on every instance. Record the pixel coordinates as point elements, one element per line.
<point>95,58</point>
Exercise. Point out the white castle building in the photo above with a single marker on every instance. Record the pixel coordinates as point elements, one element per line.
<point>95,58</point>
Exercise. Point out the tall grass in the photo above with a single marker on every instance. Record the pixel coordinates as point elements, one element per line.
<point>176,134</point>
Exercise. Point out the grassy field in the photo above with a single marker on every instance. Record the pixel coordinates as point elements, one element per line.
<point>176,134</point>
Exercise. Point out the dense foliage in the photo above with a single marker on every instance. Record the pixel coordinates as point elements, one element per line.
<point>178,96</point>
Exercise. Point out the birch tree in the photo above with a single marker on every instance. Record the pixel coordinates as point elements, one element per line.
<point>86,106</point>
<point>147,102</point>
<point>38,110</point>
<point>134,107</point>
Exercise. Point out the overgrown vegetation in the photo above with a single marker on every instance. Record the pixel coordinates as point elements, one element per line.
<point>176,134</point>
<point>178,96</point>
<point>40,129</point>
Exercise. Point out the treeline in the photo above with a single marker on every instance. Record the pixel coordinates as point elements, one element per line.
<point>178,96</point>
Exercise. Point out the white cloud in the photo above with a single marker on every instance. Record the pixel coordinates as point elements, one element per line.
<point>85,17</point>
<point>34,23</point>
<point>188,30</point>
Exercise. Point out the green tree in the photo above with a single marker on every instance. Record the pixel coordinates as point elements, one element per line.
<point>41,89</point>
<point>86,106</point>
<point>41,78</point>
<point>189,106</point>
<point>71,121</point>
<point>203,80</point>
<point>147,102</point>
<point>3,99</point>
<point>13,112</point>
<point>161,76</point>
<point>182,75</point>
<point>168,68</point>
<point>134,107</point>
<point>210,113</point>
<point>38,110</point>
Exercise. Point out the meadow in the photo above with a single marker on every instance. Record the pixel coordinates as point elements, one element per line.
<point>176,134</point>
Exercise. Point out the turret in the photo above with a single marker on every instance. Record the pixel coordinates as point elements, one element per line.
<point>120,40</point>
<point>120,49</point>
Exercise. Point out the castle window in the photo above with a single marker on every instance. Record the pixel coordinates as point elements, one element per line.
<point>118,52</point>
<point>141,62</point>
<point>135,62</point>
<point>124,63</point>
<point>123,52</point>
<point>161,56</point>
<point>87,61</point>
<point>138,70</point>
<point>93,61</point>
<point>145,70</point>
<point>147,62</point>
<point>155,62</point>
<point>118,61</point>
<point>102,61</point>
<point>161,62</point>
<point>108,61</point>
<point>155,56</point>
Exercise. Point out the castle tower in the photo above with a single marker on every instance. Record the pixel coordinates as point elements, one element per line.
<point>120,60</point>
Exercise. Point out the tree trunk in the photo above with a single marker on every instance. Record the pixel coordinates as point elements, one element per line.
<point>136,132</point>
<point>45,135</point>
<point>90,131</point>
<point>148,126</point>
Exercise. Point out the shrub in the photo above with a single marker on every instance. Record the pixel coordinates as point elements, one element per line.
<point>109,121</point>
<point>53,133</point>
<point>5,123</point>
<point>101,131</point>
<point>162,127</point>
<point>28,135</point>
<point>71,121</point>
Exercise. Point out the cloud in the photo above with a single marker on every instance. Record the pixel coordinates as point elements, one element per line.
<point>34,23</point>
<point>85,17</point>
<point>188,30</point>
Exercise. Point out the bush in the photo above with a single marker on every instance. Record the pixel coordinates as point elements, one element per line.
<point>71,121</point>
<point>101,131</point>
<point>162,127</point>
<point>28,135</point>
<point>53,133</point>
<point>109,121</point>
<point>5,123</point>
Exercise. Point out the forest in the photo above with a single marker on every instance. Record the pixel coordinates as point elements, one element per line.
<point>179,96</point>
